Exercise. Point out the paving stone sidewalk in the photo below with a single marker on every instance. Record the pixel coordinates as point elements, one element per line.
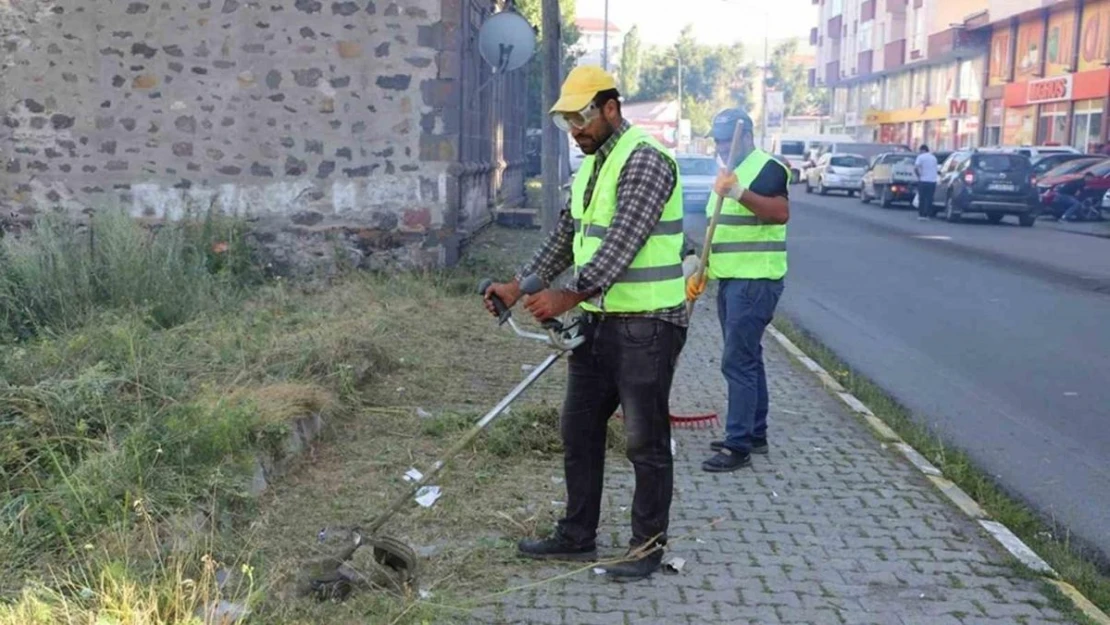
<point>830,528</point>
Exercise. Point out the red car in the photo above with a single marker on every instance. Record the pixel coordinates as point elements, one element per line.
<point>1096,186</point>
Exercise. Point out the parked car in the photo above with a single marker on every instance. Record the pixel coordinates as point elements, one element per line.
<point>941,157</point>
<point>890,178</point>
<point>1106,201</point>
<point>836,172</point>
<point>795,170</point>
<point>576,155</point>
<point>1043,164</point>
<point>698,173</point>
<point>1072,170</point>
<point>1033,152</point>
<point>993,183</point>
<point>866,150</point>
<point>1093,188</point>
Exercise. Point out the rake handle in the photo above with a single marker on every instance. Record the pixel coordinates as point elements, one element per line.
<point>703,260</point>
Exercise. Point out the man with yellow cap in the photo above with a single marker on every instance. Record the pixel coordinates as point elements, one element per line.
<point>622,233</point>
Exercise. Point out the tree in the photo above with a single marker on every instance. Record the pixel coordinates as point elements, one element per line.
<point>789,76</point>
<point>630,63</point>
<point>713,77</point>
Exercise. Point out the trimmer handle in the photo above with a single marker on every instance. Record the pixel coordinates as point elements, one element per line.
<point>498,305</point>
<point>531,285</point>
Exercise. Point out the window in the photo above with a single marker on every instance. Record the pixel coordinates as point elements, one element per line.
<point>1001,162</point>
<point>918,38</point>
<point>697,167</point>
<point>1086,124</point>
<point>1053,124</point>
<point>848,161</point>
<point>864,36</point>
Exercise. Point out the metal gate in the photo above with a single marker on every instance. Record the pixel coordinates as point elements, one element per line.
<point>491,126</point>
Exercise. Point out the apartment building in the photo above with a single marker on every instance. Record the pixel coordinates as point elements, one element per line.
<point>592,41</point>
<point>901,71</point>
<point>960,73</point>
<point>1048,78</point>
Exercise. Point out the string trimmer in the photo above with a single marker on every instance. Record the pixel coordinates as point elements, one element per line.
<point>328,576</point>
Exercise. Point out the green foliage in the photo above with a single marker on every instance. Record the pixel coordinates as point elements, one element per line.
<point>789,76</point>
<point>59,273</point>
<point>631,63</point>
<point>713,77</point>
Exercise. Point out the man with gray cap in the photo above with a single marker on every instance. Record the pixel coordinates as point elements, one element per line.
<point>748,257</point>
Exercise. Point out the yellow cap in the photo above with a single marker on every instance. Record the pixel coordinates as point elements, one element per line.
<point>582,84</point>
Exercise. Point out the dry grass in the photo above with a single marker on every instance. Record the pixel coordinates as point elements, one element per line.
<point>399,363</point>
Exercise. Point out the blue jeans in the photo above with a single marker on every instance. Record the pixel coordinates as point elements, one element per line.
<point>1069,204</point>
<point>745,308</point>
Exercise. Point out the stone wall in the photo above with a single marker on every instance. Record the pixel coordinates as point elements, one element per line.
<point>312,117</point>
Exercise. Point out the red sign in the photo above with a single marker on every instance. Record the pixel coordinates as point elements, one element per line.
<point>1052,89</point>
<point>957,108</point>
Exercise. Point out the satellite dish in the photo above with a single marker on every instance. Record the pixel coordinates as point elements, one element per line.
<point>506,41</point>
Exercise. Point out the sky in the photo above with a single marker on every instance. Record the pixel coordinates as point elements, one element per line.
<point>715,21</point>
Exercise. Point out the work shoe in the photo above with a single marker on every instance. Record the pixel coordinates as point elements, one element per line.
<point>726,461</point>
<point>556,547</point>
<point>759,446</point>
<point>633,570</point>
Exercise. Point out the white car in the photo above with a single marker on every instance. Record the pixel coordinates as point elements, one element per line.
<point>836,172</point>
<point>1106,201</point>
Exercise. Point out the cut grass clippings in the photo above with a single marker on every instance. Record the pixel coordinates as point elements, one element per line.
<point>1075,564</point>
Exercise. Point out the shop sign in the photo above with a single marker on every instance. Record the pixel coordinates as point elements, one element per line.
<point>1055,89</point>
<point>958,108</point>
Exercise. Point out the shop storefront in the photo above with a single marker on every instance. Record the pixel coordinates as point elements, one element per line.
<point>1044,86</point>
<point>1059,110</point>
<point>941,127</point>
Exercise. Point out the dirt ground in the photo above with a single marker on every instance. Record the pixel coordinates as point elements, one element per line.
<point>454,363</point>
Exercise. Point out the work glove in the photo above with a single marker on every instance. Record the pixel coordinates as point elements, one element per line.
<point>695,287</point>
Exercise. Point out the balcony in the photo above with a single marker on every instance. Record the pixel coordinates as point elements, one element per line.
<point>813,36</point>
<point>863,63</point>
<point>835,27</point>
<point>832,73</point>
<point>894,54</point>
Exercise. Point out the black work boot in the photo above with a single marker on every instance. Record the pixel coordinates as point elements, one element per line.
<point>726,461</point>
<point>557,547</point>
<point>635,569</point>
<point>759,446</point>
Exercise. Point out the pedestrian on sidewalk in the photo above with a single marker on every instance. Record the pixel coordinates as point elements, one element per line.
<point>748,257</point>
<point>622,233</point>
<point>926,168</point>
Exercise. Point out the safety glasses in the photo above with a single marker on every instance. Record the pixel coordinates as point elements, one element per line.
<point>576,121</point>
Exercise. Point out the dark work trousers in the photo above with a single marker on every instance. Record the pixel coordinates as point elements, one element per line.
<point>630,362</point>
<point>745,308</point>
<point>925,193</point>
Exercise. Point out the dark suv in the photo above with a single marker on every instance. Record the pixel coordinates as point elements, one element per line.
<point>992,183</point>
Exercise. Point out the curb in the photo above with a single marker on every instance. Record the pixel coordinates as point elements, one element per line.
<point>1002,534</point>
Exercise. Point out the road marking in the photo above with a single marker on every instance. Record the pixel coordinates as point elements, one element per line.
<point>1071,394</point>
<point>932,237</point>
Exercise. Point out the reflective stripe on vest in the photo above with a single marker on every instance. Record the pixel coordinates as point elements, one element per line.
<point>743,245</point>
<point>673,226</point>
<point>654,280</point>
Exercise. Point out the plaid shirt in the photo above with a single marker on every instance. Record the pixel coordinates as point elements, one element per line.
<point>645,184</point>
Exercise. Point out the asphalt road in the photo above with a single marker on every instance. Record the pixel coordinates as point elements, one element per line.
<point>996,336</point>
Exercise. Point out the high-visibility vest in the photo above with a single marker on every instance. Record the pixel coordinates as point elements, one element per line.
<point>654,280</point>
<point>743,246</point>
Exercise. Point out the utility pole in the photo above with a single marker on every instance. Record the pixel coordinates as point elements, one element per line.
<point>552,66</point>
<point>605,40</point>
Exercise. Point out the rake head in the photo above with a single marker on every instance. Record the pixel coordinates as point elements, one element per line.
<point>691,422</point>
